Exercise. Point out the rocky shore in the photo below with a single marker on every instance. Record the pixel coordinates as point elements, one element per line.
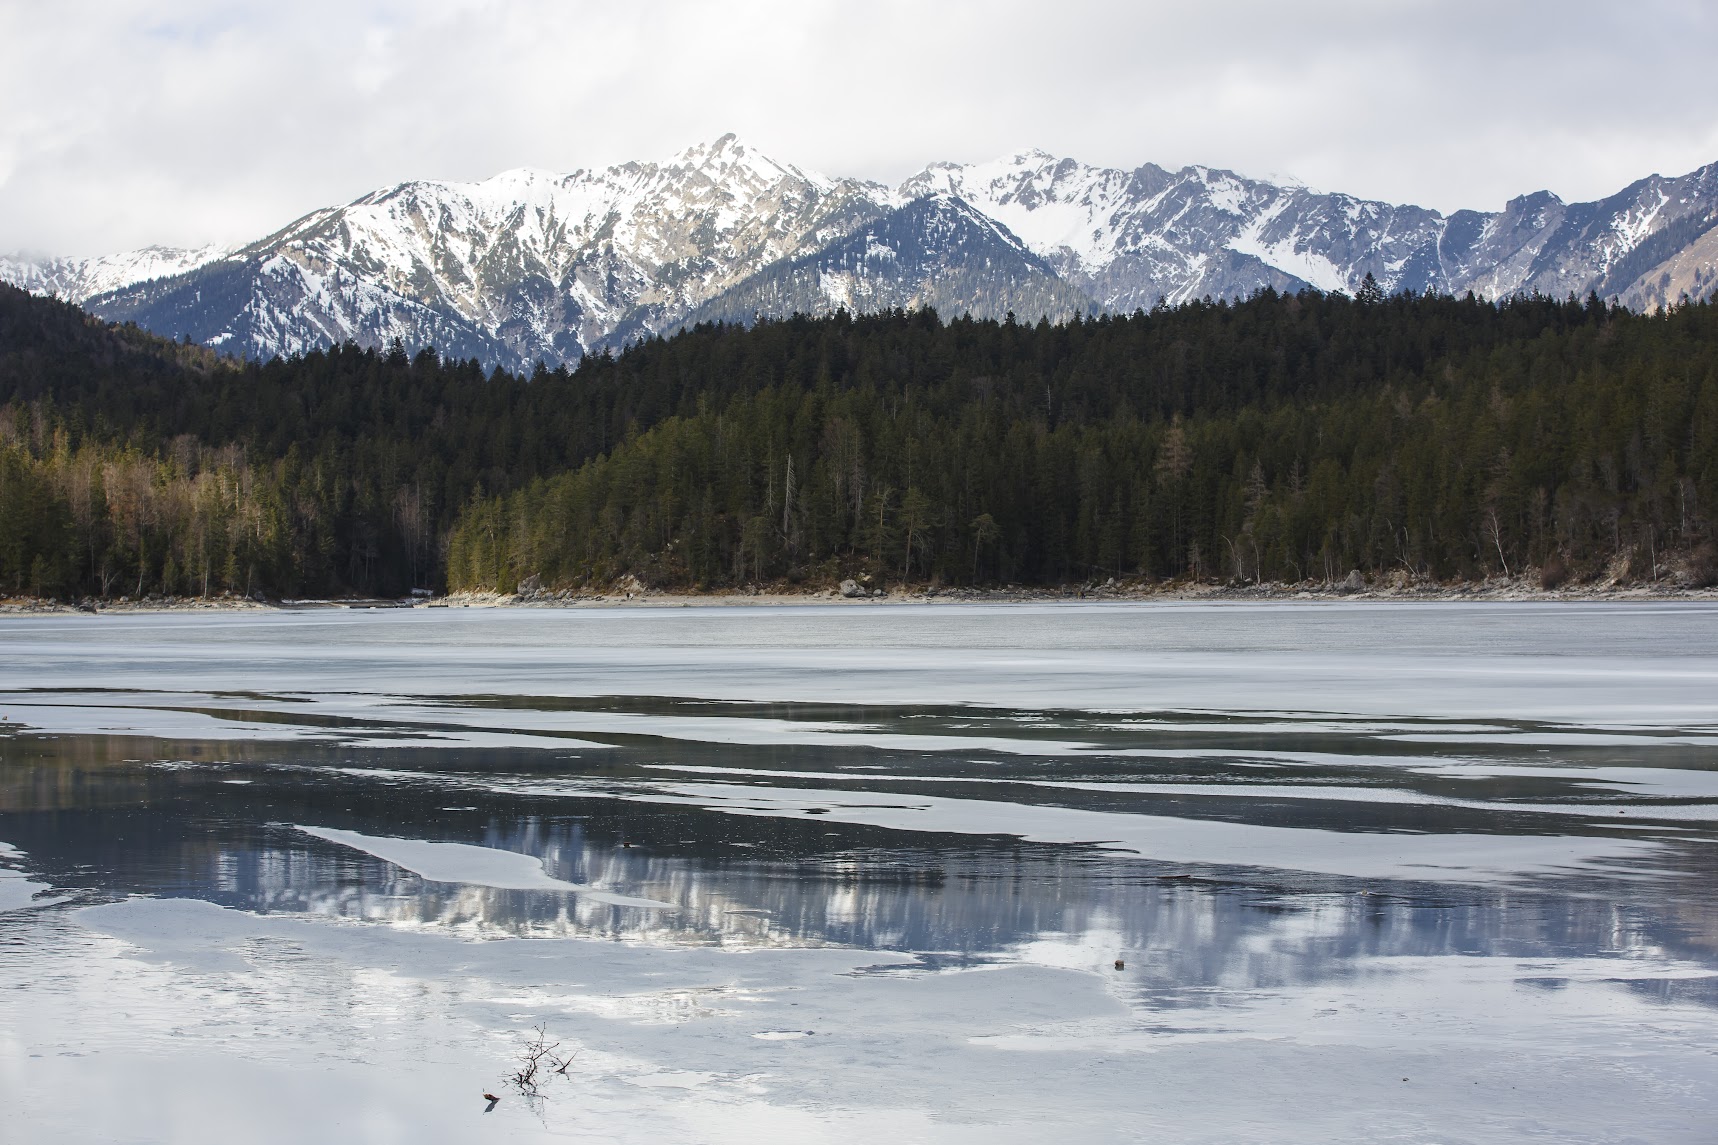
<point>1355,587</point>
<point>629,592</point>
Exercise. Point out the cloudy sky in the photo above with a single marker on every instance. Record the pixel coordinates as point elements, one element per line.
<point>192,121</point>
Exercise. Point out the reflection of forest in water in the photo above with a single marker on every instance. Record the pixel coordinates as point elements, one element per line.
<point>92,814</point>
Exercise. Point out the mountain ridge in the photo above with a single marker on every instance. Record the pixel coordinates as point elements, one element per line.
<point>534,266</point>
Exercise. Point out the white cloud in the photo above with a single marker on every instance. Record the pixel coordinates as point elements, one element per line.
<point>186,121</point>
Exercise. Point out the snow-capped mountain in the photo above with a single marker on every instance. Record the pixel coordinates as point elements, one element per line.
<point>1650,244</point>
<point>524,266</point>
<point>933,251</point>
<point>80,279</point>
<point>1130,237</point>
<point>531,266</point>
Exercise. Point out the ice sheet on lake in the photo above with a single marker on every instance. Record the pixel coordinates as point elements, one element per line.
<point>1657,782</point>
<point>1356,854</point>
<point>947,990</point>
<point>1702,784</point>
<point>17,891</point>
<point>141,719</point>
<point>1637,664</point>
<point>313,1029</point>
<point>159,716</point>
<point>478,866</point>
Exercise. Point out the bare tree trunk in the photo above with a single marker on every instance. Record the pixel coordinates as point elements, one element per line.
<point>1497,538</point>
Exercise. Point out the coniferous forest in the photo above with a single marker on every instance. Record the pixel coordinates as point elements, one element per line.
<point>1283,438</point>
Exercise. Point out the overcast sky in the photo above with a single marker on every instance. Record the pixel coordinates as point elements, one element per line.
<point>192,121</point>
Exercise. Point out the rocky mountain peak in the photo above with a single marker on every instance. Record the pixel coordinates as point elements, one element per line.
<point>531,264</point>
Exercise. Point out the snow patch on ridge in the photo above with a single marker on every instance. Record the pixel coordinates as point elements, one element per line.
<point>1289,254</point>
<point>1051,205</point>
<point>79,279</point>
<point>531,264</point>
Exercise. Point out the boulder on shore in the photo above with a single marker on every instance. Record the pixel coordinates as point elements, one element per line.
<point>850,589</point>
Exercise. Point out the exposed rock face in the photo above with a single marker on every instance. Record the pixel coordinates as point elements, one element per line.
<point>936,251</point>
<point>1130,237</point>
<point>850,589</point>
<point>523,267</point>
<point>531,266</point>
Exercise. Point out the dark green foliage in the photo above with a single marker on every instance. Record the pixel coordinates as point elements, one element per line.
<point>1288,437</point>
<point>1285,438</point>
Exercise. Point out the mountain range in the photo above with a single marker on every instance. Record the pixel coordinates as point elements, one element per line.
<point>530,266</point>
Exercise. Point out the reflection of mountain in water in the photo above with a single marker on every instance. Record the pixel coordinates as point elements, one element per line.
<point>1030,904</point>
<point>199,832</point>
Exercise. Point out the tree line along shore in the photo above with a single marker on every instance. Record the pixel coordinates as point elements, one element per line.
<point>1288,440</point>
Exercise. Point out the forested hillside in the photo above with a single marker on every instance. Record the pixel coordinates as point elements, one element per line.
<point>1289,437</point>
<point>1286,438</point>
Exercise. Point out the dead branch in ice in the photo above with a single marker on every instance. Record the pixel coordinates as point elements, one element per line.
<point>537,1059</point>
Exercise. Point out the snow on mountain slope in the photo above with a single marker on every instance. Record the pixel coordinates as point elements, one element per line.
<point>79,279</point>
<point>1132,237</point>
<point>526,265</point>
<point>1053,205</point>
<point>934,251</point>
<point>530,265</point>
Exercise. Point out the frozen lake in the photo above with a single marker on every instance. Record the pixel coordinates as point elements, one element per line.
<point>1098,873</point>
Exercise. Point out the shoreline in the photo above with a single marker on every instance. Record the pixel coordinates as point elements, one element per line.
<point>1497,590</point>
